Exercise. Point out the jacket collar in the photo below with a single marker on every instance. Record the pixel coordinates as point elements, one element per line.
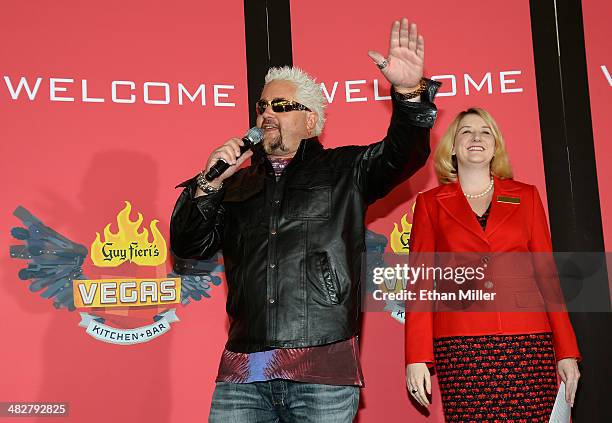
<point>452,200</point>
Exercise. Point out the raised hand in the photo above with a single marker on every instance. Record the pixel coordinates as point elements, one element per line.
<point>403,67</point>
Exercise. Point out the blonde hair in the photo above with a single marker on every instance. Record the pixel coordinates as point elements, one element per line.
<point>446,165</point>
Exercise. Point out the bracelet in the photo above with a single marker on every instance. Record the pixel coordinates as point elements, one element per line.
<point>413,94</point>
<point>205,186</point>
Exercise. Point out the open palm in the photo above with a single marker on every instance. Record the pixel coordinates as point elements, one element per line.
<point>406,56</point>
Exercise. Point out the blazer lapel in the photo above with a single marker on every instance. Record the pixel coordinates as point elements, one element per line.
<point>455,204</point>
<point>506,201</point>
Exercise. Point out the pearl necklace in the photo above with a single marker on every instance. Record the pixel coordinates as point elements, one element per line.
<point>482,194</point>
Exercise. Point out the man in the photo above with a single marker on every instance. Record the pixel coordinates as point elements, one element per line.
<point>291,227</point>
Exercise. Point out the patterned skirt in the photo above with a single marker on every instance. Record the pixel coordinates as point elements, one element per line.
<point>494,378</point>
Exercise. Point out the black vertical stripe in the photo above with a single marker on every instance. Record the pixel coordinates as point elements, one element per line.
<point>571,182</point>
<point>267,27</point>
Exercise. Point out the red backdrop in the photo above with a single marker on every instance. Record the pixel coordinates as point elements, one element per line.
<point>73,163</point>
<point>596,37</point>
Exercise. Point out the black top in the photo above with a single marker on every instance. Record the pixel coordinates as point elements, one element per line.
<point>483,219</point>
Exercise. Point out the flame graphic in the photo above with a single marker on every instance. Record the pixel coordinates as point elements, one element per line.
<point>399,238</point>
<point>128,244</point>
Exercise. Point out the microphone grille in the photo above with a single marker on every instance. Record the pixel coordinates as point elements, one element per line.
<point>255,134</point>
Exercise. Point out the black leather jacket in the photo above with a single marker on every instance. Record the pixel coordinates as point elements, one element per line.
<point>293,248</point>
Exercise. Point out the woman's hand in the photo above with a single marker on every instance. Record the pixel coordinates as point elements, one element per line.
<point>418,382</point>
<point>568,370</point>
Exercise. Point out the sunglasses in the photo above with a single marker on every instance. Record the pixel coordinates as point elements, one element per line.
<point>280,105</point>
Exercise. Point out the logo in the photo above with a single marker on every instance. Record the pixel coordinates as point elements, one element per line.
<point>117,310</point>
<point>400,244</point>
<point>126,292</point>
<point>400,237</point>
<point>128,244</point>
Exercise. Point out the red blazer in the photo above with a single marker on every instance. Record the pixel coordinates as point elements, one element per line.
<point>444,222</point>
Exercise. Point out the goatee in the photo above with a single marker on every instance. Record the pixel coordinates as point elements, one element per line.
<point>275,145</point>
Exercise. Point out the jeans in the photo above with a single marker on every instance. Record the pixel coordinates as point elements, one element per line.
<point>282,400</point>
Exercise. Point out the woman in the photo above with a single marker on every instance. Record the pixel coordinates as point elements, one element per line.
<point>491,365</point>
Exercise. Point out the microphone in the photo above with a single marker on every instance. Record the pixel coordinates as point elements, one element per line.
<point>252,138</point>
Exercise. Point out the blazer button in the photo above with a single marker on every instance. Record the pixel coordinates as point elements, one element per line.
<point>273,232</point>
<point>271,300</point>
<point>488,284</point>
<point>272,265</point>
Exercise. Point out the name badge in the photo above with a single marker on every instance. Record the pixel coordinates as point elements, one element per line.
<point>509,200</point>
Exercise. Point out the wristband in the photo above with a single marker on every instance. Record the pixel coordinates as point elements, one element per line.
<point>205,186</point>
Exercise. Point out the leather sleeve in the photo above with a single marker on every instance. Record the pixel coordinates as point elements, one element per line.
<point>405,149</point>
<point>196,225</point>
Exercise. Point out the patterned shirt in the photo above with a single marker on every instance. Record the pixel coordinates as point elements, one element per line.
<point>279,164</point>
<point>331,364</point>
<point>482,220</point>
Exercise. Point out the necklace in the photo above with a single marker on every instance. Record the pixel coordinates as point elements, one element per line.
<point>482,194</point>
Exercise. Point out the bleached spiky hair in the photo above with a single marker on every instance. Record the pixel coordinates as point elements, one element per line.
<point>308,92</point>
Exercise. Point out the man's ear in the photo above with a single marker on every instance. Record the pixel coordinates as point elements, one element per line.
<point>311,121</point>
